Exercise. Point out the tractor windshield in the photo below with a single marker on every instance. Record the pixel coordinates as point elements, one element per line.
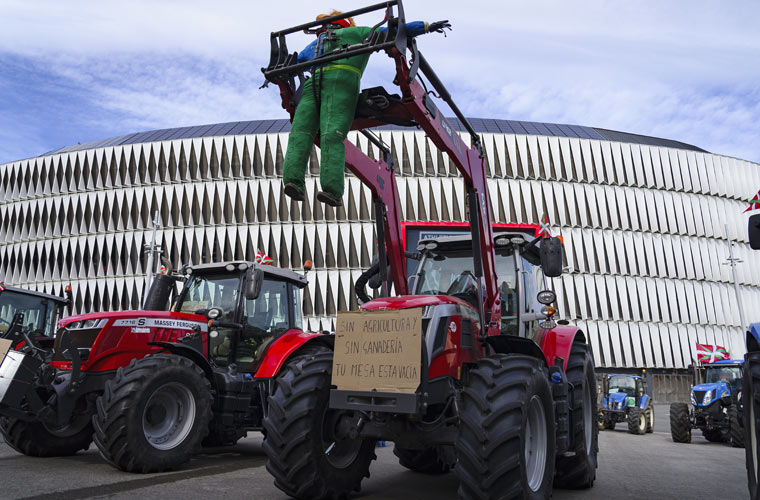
<point>727,374</point>
<point>39,313</point>
<point>622,384</point>
<point>204,291</point>
<point>450,273</point>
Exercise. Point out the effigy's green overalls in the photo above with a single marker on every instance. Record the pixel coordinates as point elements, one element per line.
<point>328,104</point>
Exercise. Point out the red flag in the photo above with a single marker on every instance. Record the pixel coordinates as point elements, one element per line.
<point>262,258</point>
<point>707,353</point>
<point>544,232</point>
<point>754,203</point>
<point>2,287</point>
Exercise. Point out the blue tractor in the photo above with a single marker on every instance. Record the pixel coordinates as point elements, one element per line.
<point>625,398</point>
<point>714,405</point>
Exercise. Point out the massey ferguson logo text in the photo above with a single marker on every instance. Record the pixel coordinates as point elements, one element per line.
<point>177,324</point>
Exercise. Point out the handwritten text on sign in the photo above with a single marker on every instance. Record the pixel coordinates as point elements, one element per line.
<point>378,350</point>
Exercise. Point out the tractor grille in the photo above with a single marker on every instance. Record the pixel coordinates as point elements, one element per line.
<point>699,396</point>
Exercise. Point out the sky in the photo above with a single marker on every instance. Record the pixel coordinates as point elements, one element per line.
<point>80,71</point>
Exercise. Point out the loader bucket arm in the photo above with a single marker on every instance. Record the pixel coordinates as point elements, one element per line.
<point>416,108</point>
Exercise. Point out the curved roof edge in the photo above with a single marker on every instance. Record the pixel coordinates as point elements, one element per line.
<point>487,125</point>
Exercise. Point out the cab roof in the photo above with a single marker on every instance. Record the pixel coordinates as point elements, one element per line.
<point>726,362</point>
<point>24,291</point>
<point>240,265</point>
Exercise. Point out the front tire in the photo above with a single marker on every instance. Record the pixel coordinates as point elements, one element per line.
<point>153,414</point>
<point>680,427</point>
<point>579,471</point>
<point>637,420</point>
<point>506,442</point>
<point>650,420</point>
<point>307,456</point>
<point>35,440</point>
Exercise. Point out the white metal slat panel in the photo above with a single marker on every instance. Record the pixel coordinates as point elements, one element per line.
<point>638,357</point>
<point>646,344</point>
<point>625,344</point>
<point>654,334</point>
<point>615,344</point>
<point>593,332</point>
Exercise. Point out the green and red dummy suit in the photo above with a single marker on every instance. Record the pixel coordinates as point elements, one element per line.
<point>328,104</point>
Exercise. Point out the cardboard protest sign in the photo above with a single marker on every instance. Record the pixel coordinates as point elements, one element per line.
<point>378,350</point>
<point>5,346</point>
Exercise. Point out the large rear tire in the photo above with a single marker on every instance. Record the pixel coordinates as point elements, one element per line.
<point>579,471</point>
<point>306,453</point>
<point>680,428</point>
<point>751,401</point>
<point>153,414</point>
<point>36,440</point>
<point>433,460</point>
<point>637,420</point>
<point>736,430</point>
<point>506,442</point>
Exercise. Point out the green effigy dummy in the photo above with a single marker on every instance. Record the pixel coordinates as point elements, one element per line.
<point>328,104</point>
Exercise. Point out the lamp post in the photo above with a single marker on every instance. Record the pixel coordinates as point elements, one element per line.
<point>733,262</point>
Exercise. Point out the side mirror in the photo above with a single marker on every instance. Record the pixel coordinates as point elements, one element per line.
<point>551,257</point>
<point>754,232</point>
<point>255,280</point>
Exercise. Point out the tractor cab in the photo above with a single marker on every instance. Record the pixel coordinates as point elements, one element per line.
<point>26,312</point>
<point>248,306</point>
<point>445,268</point>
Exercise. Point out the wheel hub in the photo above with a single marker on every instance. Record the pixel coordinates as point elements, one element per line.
<point>168,416</point>
<point>535,443</point>
<point>339,447</point>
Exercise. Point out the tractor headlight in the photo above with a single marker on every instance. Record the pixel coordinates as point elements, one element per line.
<point>693,399</point>
<point>707,399</point>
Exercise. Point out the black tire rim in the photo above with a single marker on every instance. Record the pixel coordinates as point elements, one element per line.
<point>339,449</point>
<point>169,416</point>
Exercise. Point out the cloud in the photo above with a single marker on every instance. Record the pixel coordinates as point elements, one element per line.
<point>684,70</point>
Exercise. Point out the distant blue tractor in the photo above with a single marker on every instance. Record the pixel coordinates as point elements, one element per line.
<point>625,399</point>
<point>714,405</point>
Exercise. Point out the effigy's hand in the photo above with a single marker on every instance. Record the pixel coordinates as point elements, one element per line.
<point>439,27</point>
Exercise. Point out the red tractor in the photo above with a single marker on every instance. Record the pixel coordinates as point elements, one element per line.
<point>150,386</point>
<point>506,396</point>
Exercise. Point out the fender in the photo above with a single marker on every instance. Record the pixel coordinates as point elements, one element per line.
<point>190,353</point>
<point>558,342</point>
<point>286,344</point>
<point>753,337</point>
<point>506,344</point>
<point>644,402</point>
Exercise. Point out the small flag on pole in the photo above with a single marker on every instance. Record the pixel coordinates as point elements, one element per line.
<point>2,287</point>
<point>754,203</point>
<point>262,258</point>
<point>707,353</point>
<point>544,232</point>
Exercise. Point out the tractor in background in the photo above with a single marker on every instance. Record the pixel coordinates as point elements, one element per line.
<point>26,313</point>
<point>150,386</point>
<point>625,398</point>
<point>714,405</point>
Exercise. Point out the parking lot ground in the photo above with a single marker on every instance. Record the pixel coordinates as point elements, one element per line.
<point>630,467</point>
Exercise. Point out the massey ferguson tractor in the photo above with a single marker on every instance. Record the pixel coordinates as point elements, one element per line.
<point>150,386</point>
<point>750,395</point>
<point>714,405</point>
<point>464,367</point>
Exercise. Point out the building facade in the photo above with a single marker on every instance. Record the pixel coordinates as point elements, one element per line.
<point>646,222</point>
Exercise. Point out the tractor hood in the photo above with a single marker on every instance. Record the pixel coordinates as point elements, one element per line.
<point>618,397</point>
<point>719,387</point>
<point>706,394</point>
